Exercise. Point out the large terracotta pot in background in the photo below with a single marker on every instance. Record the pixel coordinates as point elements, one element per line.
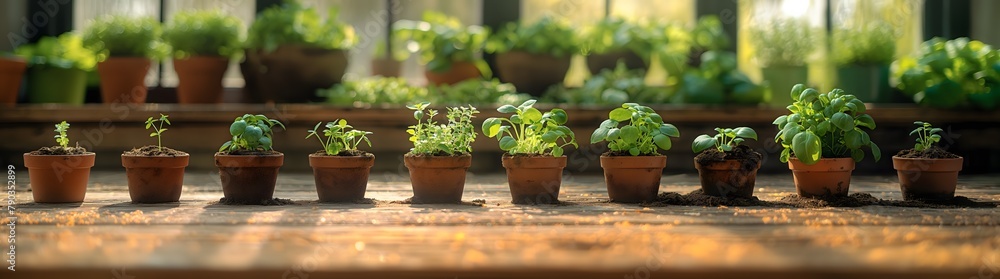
<point>341,178</point>
<point>291,73</point>
<point>200,79</point>
<point>633,179</point>
<point>11,72</point>
<point>727,178</point>
<point>927,179</point>
<point>532,73</point>
<point>534,180</point>
<point>437,179</point>
<point>781,79</point>
<point>56,85</point>
<point>826,178</point>
<point>123,79</point>
<point>59,178</point>
<point>458,72</point>
<point>609,61</point>
<point>248,178</point>
<point>386,67</point>
<point>155,179</point>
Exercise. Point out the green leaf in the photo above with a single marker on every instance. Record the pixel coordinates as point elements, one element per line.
<point>857,155</point>
<point>780,121</point>
<point>418,114</point>
<point>790,132</point>
<point>609,124</point>
<point>807,147</point>
<point>853,140</point>
<point>491,127</point>
<point>785,153</point>
<point>559,116</point>
<point>859,106</point>
<point>633,151</point>
<point>550,137</point>
<point>237,128</point>
<point>599,135</point>
<point>808,95</point>
<point>225,146</point>
<point>670,130</point>
<point>526,104</point>
<point>507,109</point>
<point>531,115</point>
<point>620,114</point>
<point>507,143</point>
<point>865,120</point>
<point>703,142</point>
<point>557,151</point>
<point>876,152</point>
<point>153,134</point>
<point>662,141</point>
<point>630,133</point>
<point>917,130</point>
<point>797,91</point>
<point>843,121</point>
<point>614,133</point>
<point>746,132</point>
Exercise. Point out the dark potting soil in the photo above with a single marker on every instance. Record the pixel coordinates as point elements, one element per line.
<point>153,150</point>
<point>852,200</point>
<point>345,153</point>
<point>699,198</point>
<point>250,152</point>
<point>272,201</point>
<point>956,202</point>
<point>59,150</point>
<point>749,159</point>
<point>931,153</point>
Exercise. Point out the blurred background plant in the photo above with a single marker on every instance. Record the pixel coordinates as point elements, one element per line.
<point>294,23</point>
<point>126,36</point>
<point>204,33</point>
<point>442,40</point>
<point>951,74</point>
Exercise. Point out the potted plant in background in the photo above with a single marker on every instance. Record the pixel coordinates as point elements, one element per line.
<point>610,41</point>
<point>632,166</point>
<point>292,52</point>
<point>782,48</point>
<point>822,139</point>
<point>951,74</point>
<point>717,80</point>
<point>727,168</point>
<point>57,69</point>
<point>202,43</point>
<point>533,142</point>
<point>155,173</point>
<point>863,55</point>
<point>59,174</point>
<point>340,169</point>
<point>248,165</point>
<point>534,57</point>
<point>706,35</point>
<point>927,172</point>
<point>450,50</point>
<point>441,153</point>
<point>126,47</point>
<point>11,72</point>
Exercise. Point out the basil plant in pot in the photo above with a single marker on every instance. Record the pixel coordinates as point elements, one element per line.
<point>450,50</point>
<point>441,153</point>
<point>202,42</point>
<point>57,69</point>
<point>610,41</point>
<point>632,166</point>
<point>248,165</point>
<point>340,169</point>
<point>958,73</point>
<point>726,167</point>
<point>533,143</point>
<point>534,57</point>
<point>822,139</point>
<point>59,174</point>
<point>155,173</point>
<point>927,171</point>
<point>126,48</point>
<point>863,55</point>
<point>12,69</point>
<point>782,49</point>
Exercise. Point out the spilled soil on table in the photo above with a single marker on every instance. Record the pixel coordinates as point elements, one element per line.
<point>699,198</point>
<point>271,201</point>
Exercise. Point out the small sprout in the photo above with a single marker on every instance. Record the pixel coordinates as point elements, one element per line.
<point>251,132</point>
<point>157,130</point>
<point>530,131</point>
<point>644,134</point>
<point>339,137</point>
<point>927,136</point>
<point>725,140</point>
<point>62,138</point>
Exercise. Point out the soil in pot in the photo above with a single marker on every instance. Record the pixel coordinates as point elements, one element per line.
<point>437,179</point>
<point>248,177</point>
<point>123,79</point>
<point>728,174</point>
<point>534,179</point>
<point>608,61</point>
<point>154,175</point>
<point>56,85</point>
<point>11,72</point>
<point>291,73</point>
<point>59,175</point>
<point>342,177</point>
<point>829,177</point>
<point>458,72</point>
<point>532,73</point>
<point>632,179</point>
<point>200,79</point>
<point>928,175</point>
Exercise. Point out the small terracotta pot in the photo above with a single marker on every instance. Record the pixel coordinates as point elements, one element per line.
<point>598,62</point>
<point>386,67</point>
<point>200,79</point>
<point>633,179</point>
<point>826,178</point>
<point>248,178</point>
<point>341,178</point>
<point>155,179</point>
<point>927,179</point>
<point>458,72</point>
<point>437,179</point>
<point>727,179</point>
<point>11,71</point>
<point>532,73</point>
<point>534,180</point>
<point>292,73</point>
<point>59,178</point>
<point>123,79</point>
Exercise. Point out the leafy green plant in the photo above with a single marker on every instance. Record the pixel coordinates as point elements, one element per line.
<point>783,42</point>
<point>340,137</point>
<point>643,134</point>
<point>610,87</point>
<point>708,34</point>
<point>824,125</point>
<point>725,140</point>
<point>396,91</point>
<point>485,92</point>
<point>442,40</point>
<point>432,139</point>
<point>608,35</point>
<point>124,36</point>
<point>950,74</point>
<point>294,24</point>
<point>717,81</point>
<point>210,33</point>
<point>530,131</point>
<point>157,130</point>
<point>61,138</point>
<point>927,136</point>
<point>669,43</point>
<point>547,36</point>
<point>873,44</point>
<point>66,51</point>
<point>251,133</point>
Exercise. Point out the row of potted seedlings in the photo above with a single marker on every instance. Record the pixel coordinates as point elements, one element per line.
<point>823,137</point>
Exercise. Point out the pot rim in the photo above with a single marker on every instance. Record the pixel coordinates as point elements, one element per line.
<point>729,165</point>
<point>541,162</point>
<point>442,162</point>
<point>160,156</point>
<point>894,157</point>
<point>634,162</point>
<point>86,161</point>
<point>250,161</point>
<point>926,164</point>
<point>88,153</point>
<point>165,162</point>
<point>341,162</point>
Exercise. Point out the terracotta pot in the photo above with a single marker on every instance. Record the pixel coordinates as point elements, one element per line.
<point>11,72</point>
<point>291,73</point>
<point>534,180</point>
<point>200,79</point>
<point>123,79</point>
<point>633,179</point>
<point>155,179</point>
<point>56,85</point>
<point>437,179</point>
<point>386,67</point>
<point>458,72</point>
<point>826,178</point>
<point>248,178</point>
<point>532,73</point>
<point>341,178</point>
<point>609,61</point>
<point>927,179</point>
<point>59,178</point>
<point>727,179</point>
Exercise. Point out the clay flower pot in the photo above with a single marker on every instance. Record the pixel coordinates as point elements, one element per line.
<point>827,178</point>
<point>633,179</point>
<point>248,178</point>
<point>59,178</point>
<point>727,179</point>
<point>155,179</point>
<point>927,179</point>
<point>598,62</point>
<point>437,179</point>
<point>532,73</point>
<point>458,72</point>
<point>341,178</point>
<point>386,67</point>
<point>200,79</point>
<point>11,72</point>
<point>534,180</point>
<point>48,84</point>
<point>123,79</point>
<point>292,73</point>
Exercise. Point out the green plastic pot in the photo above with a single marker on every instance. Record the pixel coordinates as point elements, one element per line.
<point>869,82</point>
<point>56,85</point>
<point>781,80</point>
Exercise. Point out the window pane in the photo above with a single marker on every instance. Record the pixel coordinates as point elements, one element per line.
<point>242,9</point>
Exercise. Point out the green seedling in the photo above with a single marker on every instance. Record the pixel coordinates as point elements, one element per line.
<point>927,136</point>
<point>157,130</point>
<point>430,138</point>
<point>725,140</point>
<point>61,137</point>
<point>340,137</point>
<point>530,131</point>
<point>251,133</point>
<point>643,134</point>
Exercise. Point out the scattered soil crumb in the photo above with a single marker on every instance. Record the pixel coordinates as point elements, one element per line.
<point>852,200</point>
<point>931,153</point>
<point>59,150</point>
<point>479,201</point>
<point>956,202</point>
<point>345,153</point>
<point>699,198</point>
<point>749,159</point>
<point>272,201</point>
<point>153,150</point>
